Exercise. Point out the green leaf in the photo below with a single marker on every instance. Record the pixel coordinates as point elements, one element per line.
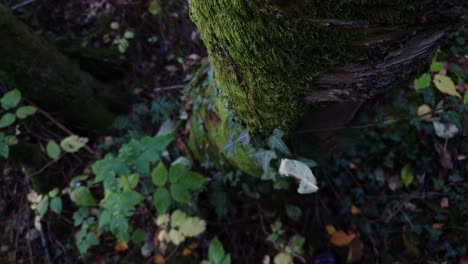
<point>177,172</point>
<point>265,157</point>
<point>216,251</point>
<point>4,150</point>
<point>192,226</point>
<point>159,175</point>
<point>193,181</point>
<point>43,206</point>
<point>162,200</point>
<point>82,197</point>
<point>139,235</point>
<point>437,66</point>
<point>54,192</point>
<point>423,82</point>
<point>446,85</point>
<point>53,150</point>
<point>133,180</point>
<point>56,205</point>
<point>154,7</point>
<point>176,237</point>
<point>300,171</point>
<point>7,119</point>
<point>73,143</point>
<point>465,98</point>
<point>177,218</point>
<point>180,193</point>
<point>25,111</point>
<point>11,99</point>
<point>407,175</point>
<point>275,142</point>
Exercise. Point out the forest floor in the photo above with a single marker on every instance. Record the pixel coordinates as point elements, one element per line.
<point>393,185</point>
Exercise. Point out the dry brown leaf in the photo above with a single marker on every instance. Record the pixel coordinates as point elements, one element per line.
<point>156,238</point>
<point>438,225</point>
<point>355,252</point>
<point>158,259</point>
<point>330,229</point>
<point>355,210</point>
<point>121,246</point>
<point>342,239</point>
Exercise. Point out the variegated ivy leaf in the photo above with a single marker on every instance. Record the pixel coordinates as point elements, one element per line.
<point>445,130</point>
<point>300,171</point>
<point>275,142</point>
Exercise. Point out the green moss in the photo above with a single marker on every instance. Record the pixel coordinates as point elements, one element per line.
<point>209,131</point>
<point>263,52</point>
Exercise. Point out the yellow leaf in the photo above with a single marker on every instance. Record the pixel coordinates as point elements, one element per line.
<point>445,85</point>
<point>355,210</point>
<point>121,246</point>
<point>330,229</point>
<point>424,113</point>
<point>342,239</point>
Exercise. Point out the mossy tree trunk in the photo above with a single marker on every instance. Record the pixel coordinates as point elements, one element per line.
<point>274,58</point>
<point>51,80</point>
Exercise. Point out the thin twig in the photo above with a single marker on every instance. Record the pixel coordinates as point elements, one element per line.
<point>169,88</point>
<point>27,2</point>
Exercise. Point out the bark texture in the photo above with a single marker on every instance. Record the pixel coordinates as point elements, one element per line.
<point>50,79</point>
<point>273,57</point>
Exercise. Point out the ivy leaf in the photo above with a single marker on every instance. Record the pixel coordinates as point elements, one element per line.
<point>162,200</point>
<point>407,175</point>
<point>445,85</point>
<point>82,197</point>
<point>159,175</point>
<point>231,145</point>
<point>7,119</point>
<point>265,157</point>
<point>167,128</point>
<point>73,143</point>
<point>300,171</point>
<point>11,99</point>
<point>53,150</point>
<point>193,181</point>
<point>56,205</point>
<point>25,111</point>
<point>180,193</point>
<point>275,141</point>
<point>423,82</point>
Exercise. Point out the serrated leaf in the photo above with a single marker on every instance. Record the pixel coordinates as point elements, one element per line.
<point>423,82</point>
<point>73,143</point>
<point>275,141</point>
<point>25,111</point>
<point>162,200</point>
<point>216,251</point>
<point>180,193</point>
<point>300,171</point>
<point>192,226</point>
<point>159,175</point>
<point>407,175</point>
<point>193,181</point>
<point>177,172</point>
<point>53,150</point>
<point>7,120</point>
<point>82,197</point>
<point>445,85</point>
<point>437,66</point>
<point>10,99</point>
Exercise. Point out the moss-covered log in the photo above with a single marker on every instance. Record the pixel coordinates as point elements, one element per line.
<point>51,80</point>
<point>273,57</point>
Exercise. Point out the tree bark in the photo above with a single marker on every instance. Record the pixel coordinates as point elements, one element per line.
<point>51,80</point>
<point>273,59</point>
